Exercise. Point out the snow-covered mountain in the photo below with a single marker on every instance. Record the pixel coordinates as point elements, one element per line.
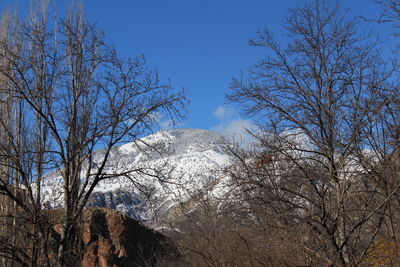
<point>184,161</point>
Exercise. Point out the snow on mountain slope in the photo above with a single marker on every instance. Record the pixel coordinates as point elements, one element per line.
<point>184,160</point>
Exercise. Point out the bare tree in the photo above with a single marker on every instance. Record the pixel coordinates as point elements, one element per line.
<point>320,103</point>
<point>74,95</point>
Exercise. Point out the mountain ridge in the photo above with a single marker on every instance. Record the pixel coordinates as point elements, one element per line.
<point>186,161</point>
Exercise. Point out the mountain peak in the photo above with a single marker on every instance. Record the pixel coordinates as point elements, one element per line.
<point>187,159</point>
<point>190,132</point>
<point>189,135</point>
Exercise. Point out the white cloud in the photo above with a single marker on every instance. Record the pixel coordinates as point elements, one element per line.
<point>169,124</point>
<point>224,113</point>
<point>236,130</point>
<point>166,124</point>
<point>232,127</point>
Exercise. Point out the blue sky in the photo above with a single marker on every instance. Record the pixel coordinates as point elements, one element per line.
<point>197,44</point>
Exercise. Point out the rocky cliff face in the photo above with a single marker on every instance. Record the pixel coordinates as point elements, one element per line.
<point>112,239</point>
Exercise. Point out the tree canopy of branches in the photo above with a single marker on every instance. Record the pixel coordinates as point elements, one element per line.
<point>64,92</point>
<point>327,173</point>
